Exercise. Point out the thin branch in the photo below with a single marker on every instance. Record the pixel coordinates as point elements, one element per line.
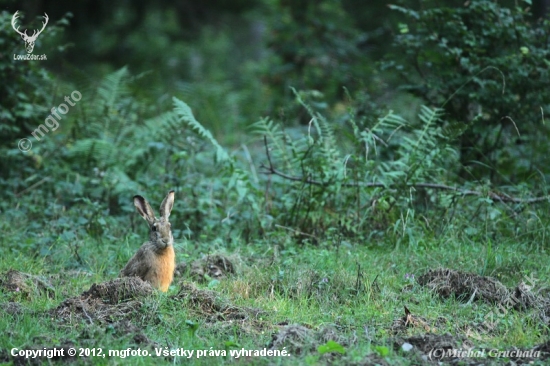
<point>495,196</point>
<point>297,232</point>
<point>514,123</point>
<point>40,182</point>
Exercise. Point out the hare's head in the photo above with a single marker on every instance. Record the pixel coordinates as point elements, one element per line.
<point>160,233</point>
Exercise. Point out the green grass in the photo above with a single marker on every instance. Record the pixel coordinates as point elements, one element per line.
<point>309,285</point>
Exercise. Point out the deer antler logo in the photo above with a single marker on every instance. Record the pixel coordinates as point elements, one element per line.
<point>29,40</point>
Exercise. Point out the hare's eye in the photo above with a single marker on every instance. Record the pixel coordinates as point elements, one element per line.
<point>154,227</point>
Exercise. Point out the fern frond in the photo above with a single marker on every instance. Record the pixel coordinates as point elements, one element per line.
<point>99,151</point>
<point>186,115</point>
<point>113,87</point>
<point>326,136</point>
<point>428,116</point>
<point>283,147</point>
<point>165,127</point>
<point>387,125</point>
<point>266,127</point>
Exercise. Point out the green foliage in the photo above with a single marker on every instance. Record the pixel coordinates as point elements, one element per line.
<point>220,78</point>
<point>329,168</point>
<point>186,115</point>
<point>331,346</point>
<point>111,138</point>
<point>382,350</point>
<point>236,201</point>
<point>344,178</point>
<point>315,46</point>
<point>487,66</point>
<point>106,149</point>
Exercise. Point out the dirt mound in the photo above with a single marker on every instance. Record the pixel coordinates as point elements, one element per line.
<point>544,350</point>
<point>525,356</point>
<point>181,269</point>
<point>425,344</point>
<point>471,287</point>
<point>296,338</point>
<point>119,289</point>
<point>105,302</point>
<point>25,284</point>
<point>12,308</point>
<point>300,340</point>
<point>207,304</point>
<point>465,286</point>
<point>524,298</point>
<point>215,266</point>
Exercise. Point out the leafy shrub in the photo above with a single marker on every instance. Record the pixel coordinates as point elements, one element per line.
<point>356,177</point>
<point>114,144</point>
<point>335,177</point>
<point>487,66</point>
<point>315,46</point>
<point>351,177</point>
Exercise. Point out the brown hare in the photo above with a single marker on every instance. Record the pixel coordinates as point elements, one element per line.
<point>155,261</point>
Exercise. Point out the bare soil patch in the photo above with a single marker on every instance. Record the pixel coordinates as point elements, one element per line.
<point>216,266</point>
<point>470,287</point>
<point>12,308</point>
<point>105,302</point>
<point>206,303</point>
<point>26,285</point>
<point>464,286</point>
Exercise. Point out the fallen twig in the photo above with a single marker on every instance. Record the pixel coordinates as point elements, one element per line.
<point>495,196</point>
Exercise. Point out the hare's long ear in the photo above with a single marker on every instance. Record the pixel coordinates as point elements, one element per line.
<point>144,209</point>
<point>166,205</point>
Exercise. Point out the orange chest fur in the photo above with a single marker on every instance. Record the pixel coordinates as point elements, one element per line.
<point>167,265</point>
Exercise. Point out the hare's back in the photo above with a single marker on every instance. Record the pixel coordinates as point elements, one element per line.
<point>141,263</point>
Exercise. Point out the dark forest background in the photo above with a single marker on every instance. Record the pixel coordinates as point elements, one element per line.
<point>478,68</point>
